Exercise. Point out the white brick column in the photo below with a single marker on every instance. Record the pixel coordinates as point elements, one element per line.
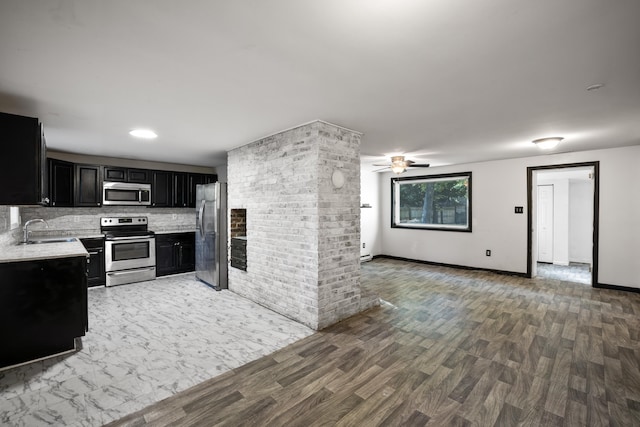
<point>303,233</point>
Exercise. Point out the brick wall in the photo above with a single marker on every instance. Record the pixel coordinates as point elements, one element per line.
<point>303,234</point>
<point>238,223</point>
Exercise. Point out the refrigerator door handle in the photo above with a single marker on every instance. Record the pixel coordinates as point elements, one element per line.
<point>201,218</point>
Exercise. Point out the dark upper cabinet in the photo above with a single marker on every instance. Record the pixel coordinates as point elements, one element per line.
<point>23,161</point>
<point>115,174</point>
<point>140,176</point>
<point>196,179</point>
<point>180,189</point>
<point>162,189</point>
<point>88,185</point>
<point>61,184</point>
<point>175,253</point>
<point>120,174</point>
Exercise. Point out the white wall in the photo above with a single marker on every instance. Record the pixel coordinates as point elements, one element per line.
<point>369,217</point>
<point>500,185</point>
<point>580,221</point>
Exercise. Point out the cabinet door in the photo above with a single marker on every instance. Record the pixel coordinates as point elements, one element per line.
<point>140,176</point>
<point>60,183</point>
<point>88,185</point>
<point>22,165</point>
<point>162,189</point>
<point>196,179</point>
<point>166,260</point>
<point>180,189</point>
<point>115,174</point>
<point>44,306</point>
<point>95,269</point>
<point>186,252</point>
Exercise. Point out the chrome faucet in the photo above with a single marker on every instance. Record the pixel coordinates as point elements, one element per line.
<point>25,229</point>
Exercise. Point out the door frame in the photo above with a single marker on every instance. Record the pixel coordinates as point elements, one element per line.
<point>596,206</point>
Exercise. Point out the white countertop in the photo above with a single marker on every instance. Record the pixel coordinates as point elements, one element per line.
<point>13,252</point>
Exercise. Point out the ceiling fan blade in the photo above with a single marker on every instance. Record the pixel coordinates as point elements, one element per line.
<point>379,170</point>
<point>419,165</point>
<point>382,164</point>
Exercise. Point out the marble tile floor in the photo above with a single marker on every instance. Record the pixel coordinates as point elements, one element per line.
<point>146,341</point>
<point>574,272</point>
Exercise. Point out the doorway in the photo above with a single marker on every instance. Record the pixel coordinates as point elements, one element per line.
<point>563,222</point>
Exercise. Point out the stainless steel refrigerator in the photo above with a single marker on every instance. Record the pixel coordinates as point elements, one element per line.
<point>211,234</point>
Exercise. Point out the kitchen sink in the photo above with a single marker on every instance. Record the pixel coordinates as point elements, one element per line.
<point>51,240</point>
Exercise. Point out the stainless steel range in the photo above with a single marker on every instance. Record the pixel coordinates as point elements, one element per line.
<point>130,250</point>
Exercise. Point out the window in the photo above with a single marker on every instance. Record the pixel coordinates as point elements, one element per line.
<point>435,202</point>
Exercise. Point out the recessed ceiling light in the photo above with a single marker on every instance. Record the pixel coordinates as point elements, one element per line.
<point>548,143</point>
<point>143,133</point>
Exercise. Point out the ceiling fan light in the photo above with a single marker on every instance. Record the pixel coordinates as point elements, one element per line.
<point>398,169</point>
<point>548,143</point>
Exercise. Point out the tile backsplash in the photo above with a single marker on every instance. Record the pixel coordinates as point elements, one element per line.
<point>86,221</point>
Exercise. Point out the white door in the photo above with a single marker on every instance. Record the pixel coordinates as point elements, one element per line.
<point>545,223</point>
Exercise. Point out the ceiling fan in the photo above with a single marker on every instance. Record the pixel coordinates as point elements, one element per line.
<point>399,164</point>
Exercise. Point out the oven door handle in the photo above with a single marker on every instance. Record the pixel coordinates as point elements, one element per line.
<point>142,238</point>
<point>137,270</point>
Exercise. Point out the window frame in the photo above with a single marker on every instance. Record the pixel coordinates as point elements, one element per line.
<point>395,194</point>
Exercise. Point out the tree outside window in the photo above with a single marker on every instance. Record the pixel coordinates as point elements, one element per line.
<point>440,202</point>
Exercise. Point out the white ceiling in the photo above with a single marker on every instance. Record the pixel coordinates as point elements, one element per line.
<point>443,81</point>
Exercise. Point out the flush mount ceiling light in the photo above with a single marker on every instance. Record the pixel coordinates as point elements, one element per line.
<point>143,133</point>
<point>548,143</point>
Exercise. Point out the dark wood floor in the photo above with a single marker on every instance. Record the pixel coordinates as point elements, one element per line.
<point>447,347</point>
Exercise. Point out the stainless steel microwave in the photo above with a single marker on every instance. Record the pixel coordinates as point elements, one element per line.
<point>126,194</point>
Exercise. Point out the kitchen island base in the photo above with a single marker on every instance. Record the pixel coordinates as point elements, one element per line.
<point>43,308</point>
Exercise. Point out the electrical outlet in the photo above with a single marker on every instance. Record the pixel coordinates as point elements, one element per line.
<point>363,245</point>
<point>76,218</point>
<point>519,209</point>
<point>488,252</point>
<point>174,216</point>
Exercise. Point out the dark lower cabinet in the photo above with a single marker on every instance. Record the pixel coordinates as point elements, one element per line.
<point>95,269</point>
<point>175,253</point>
<point>43,308</point>
<point>60,183</point>
<point>88,185</point>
